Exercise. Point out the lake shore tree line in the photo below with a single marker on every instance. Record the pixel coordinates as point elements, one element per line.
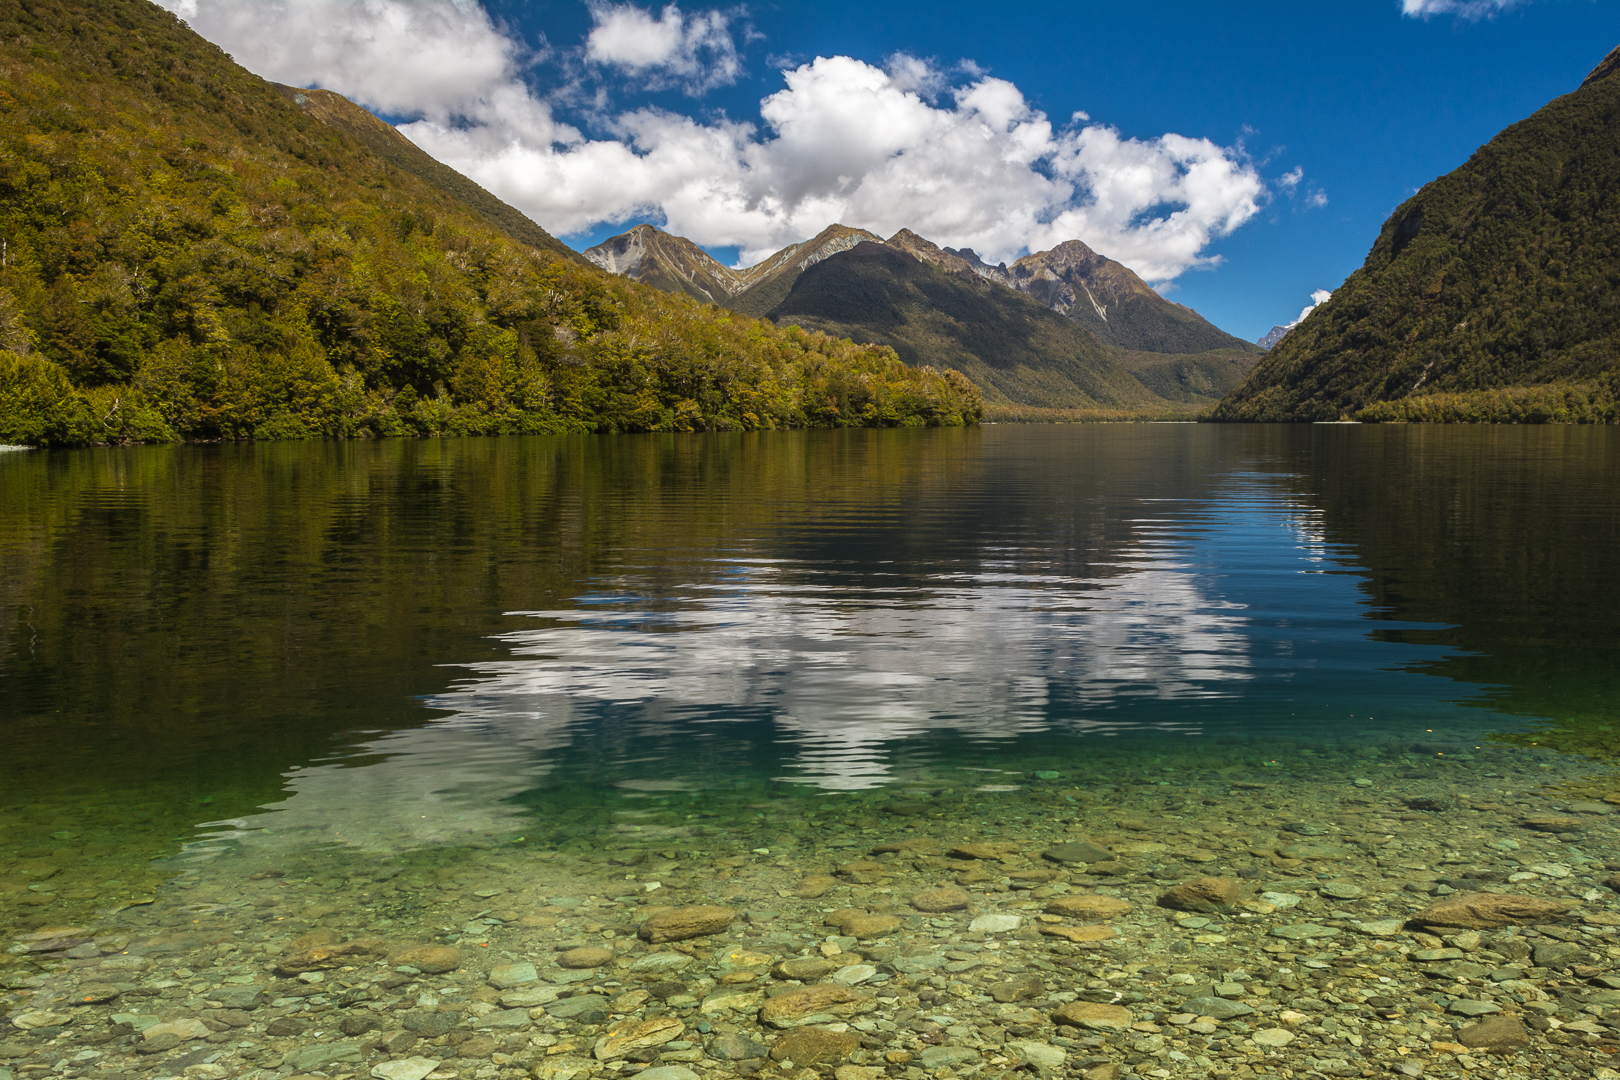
<point>184,254</point>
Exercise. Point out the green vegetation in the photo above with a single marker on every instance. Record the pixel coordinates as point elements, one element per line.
<point>1505,273</point>
<point>1593,735</point>
<point>186,253</point>
<point>1034,414</point>
<point>1595,403</point>
<point>1017,350</point>
<point>1183,379</point>
<point>954,313</point>
<point>384,140</point>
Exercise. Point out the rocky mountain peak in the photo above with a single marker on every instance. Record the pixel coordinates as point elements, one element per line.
<point>648,254</point>
<point>927,251</point>
<point>1103,281</point>
<point>1606,67</point>
<point>1071,279</point>
<point>1274,335</point>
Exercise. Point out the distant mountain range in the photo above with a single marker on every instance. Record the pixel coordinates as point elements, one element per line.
<point>1065,328</point>
<point>675,264</point>
<point>1490,295</point>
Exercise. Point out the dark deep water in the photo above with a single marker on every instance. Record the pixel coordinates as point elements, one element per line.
<point>461,641</point>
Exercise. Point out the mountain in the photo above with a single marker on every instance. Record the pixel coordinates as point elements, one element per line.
<point>768,282</point>
<point>1108,299</point>
<point>1167,349</point>
<point>193,252</point>
<point>1100,294</point>
<point>1015,346</point>
<point>1488,295</point>
<point>1016,350</point>
<point>673,263</point>
<point>1272,336</point>
<point>384,140</point>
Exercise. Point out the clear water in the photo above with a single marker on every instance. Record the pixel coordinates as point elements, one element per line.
<point>560,642</point>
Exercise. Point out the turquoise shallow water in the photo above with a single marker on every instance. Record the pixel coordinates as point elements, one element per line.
<point>472,643</point>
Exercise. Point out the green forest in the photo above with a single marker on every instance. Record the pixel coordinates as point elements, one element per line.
<point>185,253</point>
<point>1492,295</point>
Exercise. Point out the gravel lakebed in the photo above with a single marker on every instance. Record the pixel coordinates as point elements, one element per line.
<point>1369,911</point>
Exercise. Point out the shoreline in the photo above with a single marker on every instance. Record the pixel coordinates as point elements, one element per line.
<point>851,941</point>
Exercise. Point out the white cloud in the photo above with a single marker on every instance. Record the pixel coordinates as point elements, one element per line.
<point>414,58</point>
<point>908,72</point>
<point>1472,10</point>
<point>672,49</point>
<point>1289,184</point>
<point>854,143</point>
<point>962,159</point>
<point>1318,298</point>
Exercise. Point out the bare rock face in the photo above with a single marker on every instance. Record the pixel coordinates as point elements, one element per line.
<point>1488,911</point>
<point>432,959</point>
<point>1093,1016</point>
<point>1205,894</point>
<point>327,956</point>
<point>1494,1032</point>
<point>944,898</point>
<point>819,1004</point>
<point>632,1035</point>
<point>678,924</point>
<point>1088,906</point>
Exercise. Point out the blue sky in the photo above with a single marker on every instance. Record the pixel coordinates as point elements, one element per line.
<point>1241,156</point>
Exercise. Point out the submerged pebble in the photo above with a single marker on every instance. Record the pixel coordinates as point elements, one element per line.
<point>1093,926</point>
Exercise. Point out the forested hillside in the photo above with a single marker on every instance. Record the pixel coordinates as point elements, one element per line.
<point>1493,294</point>
<point>187,253</point>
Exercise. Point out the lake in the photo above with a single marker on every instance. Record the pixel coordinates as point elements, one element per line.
<point>463,651</point>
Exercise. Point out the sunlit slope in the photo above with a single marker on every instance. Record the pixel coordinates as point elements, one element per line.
<point>190,253</point>
<point>384,140</point>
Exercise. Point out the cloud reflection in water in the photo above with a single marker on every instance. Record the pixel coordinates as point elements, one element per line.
<point>846,675</point>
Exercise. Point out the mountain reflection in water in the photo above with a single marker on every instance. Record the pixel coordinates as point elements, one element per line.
<point>837,670</point>
<point>410,642</point>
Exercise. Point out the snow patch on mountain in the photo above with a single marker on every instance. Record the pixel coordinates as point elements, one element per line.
<point>1277,333</point>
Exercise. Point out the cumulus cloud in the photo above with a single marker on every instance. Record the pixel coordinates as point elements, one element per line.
<point>672,49</point>
<point>850,142</point>
<point>959,156</point>
<point>402,58</point>
<point>1472,10</point>
<point>1318,298</point>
